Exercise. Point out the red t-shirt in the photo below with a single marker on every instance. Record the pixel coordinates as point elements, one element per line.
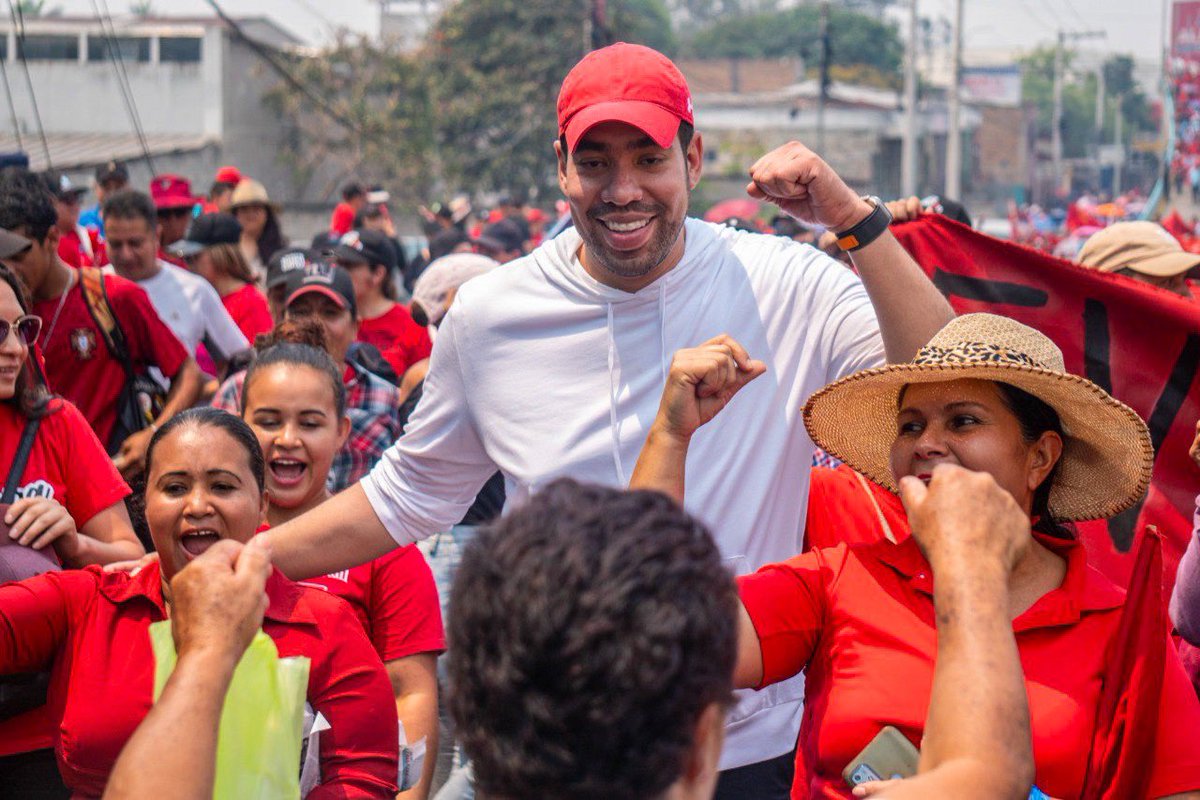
<point>67,462</point>
<point>860,620</point>
<point>90,628</point>
<point>78,364</point>
<point>342,219</point>
<point>396,601</point>
<point>72,251</point>
<point>249,310</point>
<point>397,335</point>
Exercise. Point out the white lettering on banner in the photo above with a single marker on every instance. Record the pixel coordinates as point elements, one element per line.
<point>38,488</point>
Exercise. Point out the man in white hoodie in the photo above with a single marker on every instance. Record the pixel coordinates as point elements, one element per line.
<point>554,365</point>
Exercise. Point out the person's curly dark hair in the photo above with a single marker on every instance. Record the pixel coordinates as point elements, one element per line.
<point>587,632</point>
<point>26,205</point>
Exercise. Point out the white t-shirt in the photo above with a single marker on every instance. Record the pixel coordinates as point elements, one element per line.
<point>191,307</point>
<point>541,371</point>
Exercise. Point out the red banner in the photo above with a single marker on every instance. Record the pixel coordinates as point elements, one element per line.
<point>1185,30</point>
<point>1140,343</point>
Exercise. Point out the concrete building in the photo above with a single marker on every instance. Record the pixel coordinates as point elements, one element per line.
<point>746,108</point>
<point>197,88</point>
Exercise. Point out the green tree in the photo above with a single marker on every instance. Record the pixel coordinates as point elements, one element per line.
<point>375,123</point>
<point>494,69</point>
<point>856,39</point>
<point>1079,99</point>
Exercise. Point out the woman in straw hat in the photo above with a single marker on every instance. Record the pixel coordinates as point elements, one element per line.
<point>992,396</point>
<point>259,218</point>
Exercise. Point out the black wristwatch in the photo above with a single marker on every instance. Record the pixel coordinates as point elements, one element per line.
<point>868,230</point>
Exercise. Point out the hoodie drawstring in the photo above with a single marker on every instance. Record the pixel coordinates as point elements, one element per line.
<point>612,399</point>
<point>613,388</point>
<point>662,327</point>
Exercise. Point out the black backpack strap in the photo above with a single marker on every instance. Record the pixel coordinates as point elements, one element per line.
<point>20,460</point>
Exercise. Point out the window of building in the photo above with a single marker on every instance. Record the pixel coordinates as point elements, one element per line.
<point>179,49</point>
<point>49,47</point>
<point>126,48</point>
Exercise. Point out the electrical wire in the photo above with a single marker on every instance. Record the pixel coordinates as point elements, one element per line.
<point>18,19</point>
<point>272,61</point>
<point>117,59</point>
<point>12,108</point>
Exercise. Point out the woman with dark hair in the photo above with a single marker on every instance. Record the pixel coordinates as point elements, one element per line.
<point>205,482</point>
<point>992,396</point>
<point>69,494</point>
<point>67,504</point>
<point>259,218</point>
<point>294,400</point>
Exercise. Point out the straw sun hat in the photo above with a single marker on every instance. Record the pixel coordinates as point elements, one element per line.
<point>249,192</point>
<point>1107,455</point>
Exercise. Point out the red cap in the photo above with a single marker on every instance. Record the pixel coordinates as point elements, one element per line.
<point>171,191</point>
<point>228,175</point>
<point>624,83</point>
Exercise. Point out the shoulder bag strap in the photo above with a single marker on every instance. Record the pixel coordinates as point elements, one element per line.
<point>20,460</point>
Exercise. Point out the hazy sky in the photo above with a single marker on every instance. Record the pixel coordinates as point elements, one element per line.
<point>1131,27</point>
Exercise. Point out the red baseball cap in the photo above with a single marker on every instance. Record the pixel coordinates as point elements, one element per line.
<point>624,83</point>
<point>228,175</point>
<point>171,191</point>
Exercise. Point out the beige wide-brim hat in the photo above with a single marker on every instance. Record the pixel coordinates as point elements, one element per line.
<point>1141,246</point>
<point>250,192</point>
<point>1107,453</point>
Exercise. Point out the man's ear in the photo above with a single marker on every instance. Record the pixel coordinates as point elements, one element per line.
<point>695,160</point>
<point>702,763</point>
<point>562,155</point>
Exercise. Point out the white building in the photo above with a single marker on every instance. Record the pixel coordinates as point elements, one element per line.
<point>196,85</point>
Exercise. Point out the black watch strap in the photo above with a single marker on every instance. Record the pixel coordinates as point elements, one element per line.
<point>868,230</point>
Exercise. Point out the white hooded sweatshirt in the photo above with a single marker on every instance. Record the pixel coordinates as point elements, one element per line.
<point>542,372</point>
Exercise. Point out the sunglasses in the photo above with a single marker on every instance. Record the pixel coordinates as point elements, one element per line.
<point>27,328</point>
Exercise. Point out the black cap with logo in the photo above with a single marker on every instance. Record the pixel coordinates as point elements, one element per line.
<point>366,247</point>
<point>205,231</point>
<point>322,278</point>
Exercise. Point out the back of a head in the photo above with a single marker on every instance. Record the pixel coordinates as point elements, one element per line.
<point>588,632</point>
<point>26,203</point>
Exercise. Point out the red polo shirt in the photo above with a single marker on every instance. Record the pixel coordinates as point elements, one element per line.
<point>861,620</point>
<point>67,462</point>
<point>249,310</point>
<point>90,628</point>
<point>396,601</point>
<point>397,335</point>
<point>78,364</point>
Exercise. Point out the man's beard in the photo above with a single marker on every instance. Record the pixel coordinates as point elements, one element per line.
<point>666,234</point>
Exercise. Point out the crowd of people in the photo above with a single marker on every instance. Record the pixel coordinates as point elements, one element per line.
<point>619,504</point>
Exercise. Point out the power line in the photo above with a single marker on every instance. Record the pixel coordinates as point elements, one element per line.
<point>117,59</point>
<point>18,19</point>
<point>12,108</point>
<point>1071,7</point>
<point>273,62</point>
<point>1029,9</point>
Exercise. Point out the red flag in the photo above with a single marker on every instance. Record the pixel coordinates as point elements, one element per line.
<point>1127,715</point>
<point>1138,342</point>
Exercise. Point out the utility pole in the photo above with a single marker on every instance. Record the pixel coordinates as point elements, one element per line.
<point>908,151</point>
<point>1056,143</point>
<point>954,124</point>
<point>1117,139</point>
<point>823,78</point>
<point>1100,89</point>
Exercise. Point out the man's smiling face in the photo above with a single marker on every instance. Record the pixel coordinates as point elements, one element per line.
<point>628,197</point>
